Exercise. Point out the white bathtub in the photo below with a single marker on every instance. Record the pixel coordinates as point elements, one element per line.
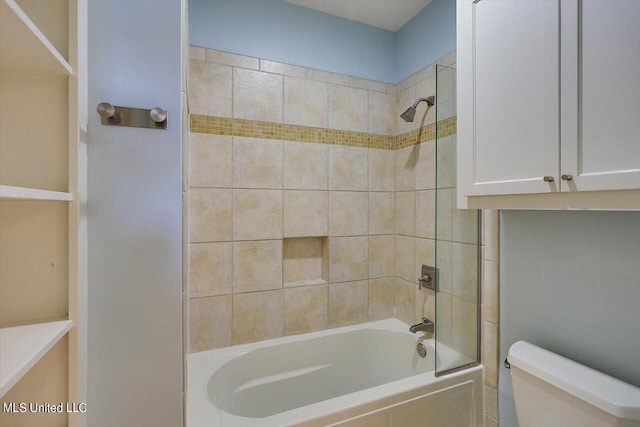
<point>366,375</point>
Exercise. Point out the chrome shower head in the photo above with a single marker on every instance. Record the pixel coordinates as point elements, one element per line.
<point>409,114</point>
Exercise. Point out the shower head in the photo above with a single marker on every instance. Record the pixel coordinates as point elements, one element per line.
<point>409,114</point>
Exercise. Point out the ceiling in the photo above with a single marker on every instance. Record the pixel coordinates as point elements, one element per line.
<point>386,14</point>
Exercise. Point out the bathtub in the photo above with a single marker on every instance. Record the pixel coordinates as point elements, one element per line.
<point>367,375</point>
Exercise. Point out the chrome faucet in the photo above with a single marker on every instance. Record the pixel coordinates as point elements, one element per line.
<point>425,326</point>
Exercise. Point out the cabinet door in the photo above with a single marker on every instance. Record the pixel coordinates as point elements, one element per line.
<point>508,96</point>
<point>600,95</point>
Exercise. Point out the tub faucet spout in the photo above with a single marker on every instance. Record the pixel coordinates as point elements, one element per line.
<point>425,326</point>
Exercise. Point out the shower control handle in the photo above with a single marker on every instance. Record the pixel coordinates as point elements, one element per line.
<point>567,177</point>
<point>548,179</point>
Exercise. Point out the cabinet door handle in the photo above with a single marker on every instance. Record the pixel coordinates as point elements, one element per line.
<point>548,179</point>
<point>567,177</point>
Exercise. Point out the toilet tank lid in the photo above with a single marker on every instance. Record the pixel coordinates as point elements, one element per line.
<point>609,394</point>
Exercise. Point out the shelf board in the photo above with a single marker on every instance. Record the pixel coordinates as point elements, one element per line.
<point>23,47</point>
<point>8,192</point>
<point>22,346</point>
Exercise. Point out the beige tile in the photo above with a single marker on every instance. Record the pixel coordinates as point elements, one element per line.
<point>348,212</point>
<point>491,401</point>
<point>196,52</point>
<point>425,115</point>
<point>370,85</point>
<point>489,421</point>
<point>464,335</point>
<point>382,256</point>
<point>425,305</point>
<point>404,100</point>
<point>348,303</point>
<point>444,263</point>
<point>381,298</point>
<point>282,68</point>
<point>209,215</point>
<point>464,225</point>
<point>425,156</point>
<point>209,89</point>
<point>405,209</point>
<point>257,316</point>
<point>405,300</point>
<point>465,271</point>
<point>257,163</point>
<point>306,165</point>
<point>348,168</point>
<point>445,201</point>
<point>305,261</point>
<point>446,161</point>
<point>382,170</point>
<point>425,254</point>
<point>232,59</point>
<point>306,213</point>
<point>257,214</point>
<point>209,323</point>
<point>447,60</point>
<point>347,108</point>
<point>305,102</point>
<point>257,95</point>
<point>305,309</point>
<point>405,169</point>
<point>210,160</point>
<point>405,253</point>
<point>382,108</point>
<point>209,269</point>
<point>348,258</point>
<point>490,292</point>
<point>444,324</point>
<point>382,218</point>
<point>257,265</point>
<point>418,76</point>
<point>490,351</point>
<point>491,222</point>
<point>327,77</point>
<point>426,214</point>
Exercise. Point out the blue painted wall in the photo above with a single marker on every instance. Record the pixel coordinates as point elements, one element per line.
<point>430,35</point>
<point>570,283</point>
<point>135,218</point>
<point>284,32</point>
<point>274,29</point>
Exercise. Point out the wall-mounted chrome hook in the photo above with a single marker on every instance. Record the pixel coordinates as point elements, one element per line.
<point>135,117</point>
<point>106,110</point>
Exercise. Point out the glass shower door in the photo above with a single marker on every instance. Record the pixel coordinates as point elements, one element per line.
<point>457,297</point>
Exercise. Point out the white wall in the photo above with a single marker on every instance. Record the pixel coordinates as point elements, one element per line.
<point>570,282</point>
<point>134,209</point>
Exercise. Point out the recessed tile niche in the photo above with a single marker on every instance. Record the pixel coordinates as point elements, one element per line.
<point>305,261</point>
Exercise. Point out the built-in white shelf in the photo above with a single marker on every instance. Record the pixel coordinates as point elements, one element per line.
<point>22,346</point>
<point>22,193</point>
<point>34,54</point>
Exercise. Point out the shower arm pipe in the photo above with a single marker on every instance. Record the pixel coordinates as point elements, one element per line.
<point>429,100</point>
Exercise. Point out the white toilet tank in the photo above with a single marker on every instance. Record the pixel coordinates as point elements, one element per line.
<point>552,391</point>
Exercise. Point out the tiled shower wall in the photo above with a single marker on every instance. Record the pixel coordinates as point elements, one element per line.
<point>312,205</point>
<point>286,237</point>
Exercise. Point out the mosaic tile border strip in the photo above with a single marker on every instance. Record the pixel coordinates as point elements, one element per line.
<point>284,132</point>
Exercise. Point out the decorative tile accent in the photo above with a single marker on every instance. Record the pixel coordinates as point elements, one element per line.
<point>267,130</point>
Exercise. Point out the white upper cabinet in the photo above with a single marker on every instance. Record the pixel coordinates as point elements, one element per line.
<point>548,102</point>
<point>600,47</point>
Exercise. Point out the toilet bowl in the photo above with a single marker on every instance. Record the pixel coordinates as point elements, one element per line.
<point>550,390</point>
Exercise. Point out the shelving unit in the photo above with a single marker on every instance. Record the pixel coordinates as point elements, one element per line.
<point>34,53</point>
<point>42,241</point>
<point>21,347</point>
<point>21,193</point>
